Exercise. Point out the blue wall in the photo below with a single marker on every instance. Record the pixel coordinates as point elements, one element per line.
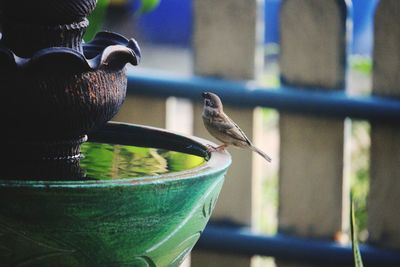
<point>171,23</point>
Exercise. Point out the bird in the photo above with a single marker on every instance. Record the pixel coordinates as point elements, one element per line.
<point>224,128</point>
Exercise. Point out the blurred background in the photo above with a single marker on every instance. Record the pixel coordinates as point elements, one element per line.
<point>170,23</point>
<point>165,36</point>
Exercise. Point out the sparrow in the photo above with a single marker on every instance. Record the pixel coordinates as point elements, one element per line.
<point>224,128</point>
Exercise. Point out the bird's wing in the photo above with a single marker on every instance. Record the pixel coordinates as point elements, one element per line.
<point>229,127</point>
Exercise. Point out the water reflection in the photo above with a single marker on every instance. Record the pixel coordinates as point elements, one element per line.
<point>101,161</point>
<point>108,161</point>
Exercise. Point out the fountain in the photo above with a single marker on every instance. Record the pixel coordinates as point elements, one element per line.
<point>76,190</point>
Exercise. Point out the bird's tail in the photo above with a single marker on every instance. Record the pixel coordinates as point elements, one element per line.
<point>261,153</point>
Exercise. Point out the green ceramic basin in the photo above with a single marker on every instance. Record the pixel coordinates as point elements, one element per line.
<point>146,221</point>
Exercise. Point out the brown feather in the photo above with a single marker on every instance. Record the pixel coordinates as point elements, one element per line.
<point>224,128</point>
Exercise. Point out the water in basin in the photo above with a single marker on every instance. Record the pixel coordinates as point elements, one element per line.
<point>103,161</point>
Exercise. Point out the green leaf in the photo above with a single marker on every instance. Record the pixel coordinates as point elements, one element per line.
<point>361,64</point>
<point>148,5</point>
<point>354,239</point>
<point>96,19</point>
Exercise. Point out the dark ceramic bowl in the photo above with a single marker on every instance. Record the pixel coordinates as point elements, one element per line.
<point>28,26</point>
<point>25,39</point>
<point>59,95</point>
<point>46,11</point>
<point>145,221</point>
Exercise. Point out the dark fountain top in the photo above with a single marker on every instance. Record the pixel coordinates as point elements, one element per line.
<point>55,88</point>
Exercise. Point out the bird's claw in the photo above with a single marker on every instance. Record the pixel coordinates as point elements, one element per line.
<point>220,148</point>
<point>210,148</point>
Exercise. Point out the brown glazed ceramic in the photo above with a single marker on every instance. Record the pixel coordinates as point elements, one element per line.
<point>55,89</point>
<point>28,26</point>
<point>54,98</point>
<point>16,36</point>
<point>46,12</point>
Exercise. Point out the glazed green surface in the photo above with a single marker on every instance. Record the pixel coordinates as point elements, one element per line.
<point>131,224</point>
<point>152,219</point>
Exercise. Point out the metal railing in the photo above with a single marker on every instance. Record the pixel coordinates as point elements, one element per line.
<point>240,240</point>
<point>285,98</point>
<point>313,135</point>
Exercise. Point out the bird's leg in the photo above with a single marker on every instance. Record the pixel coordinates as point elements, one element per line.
<point>211,148</point>
<point>221,147</point>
